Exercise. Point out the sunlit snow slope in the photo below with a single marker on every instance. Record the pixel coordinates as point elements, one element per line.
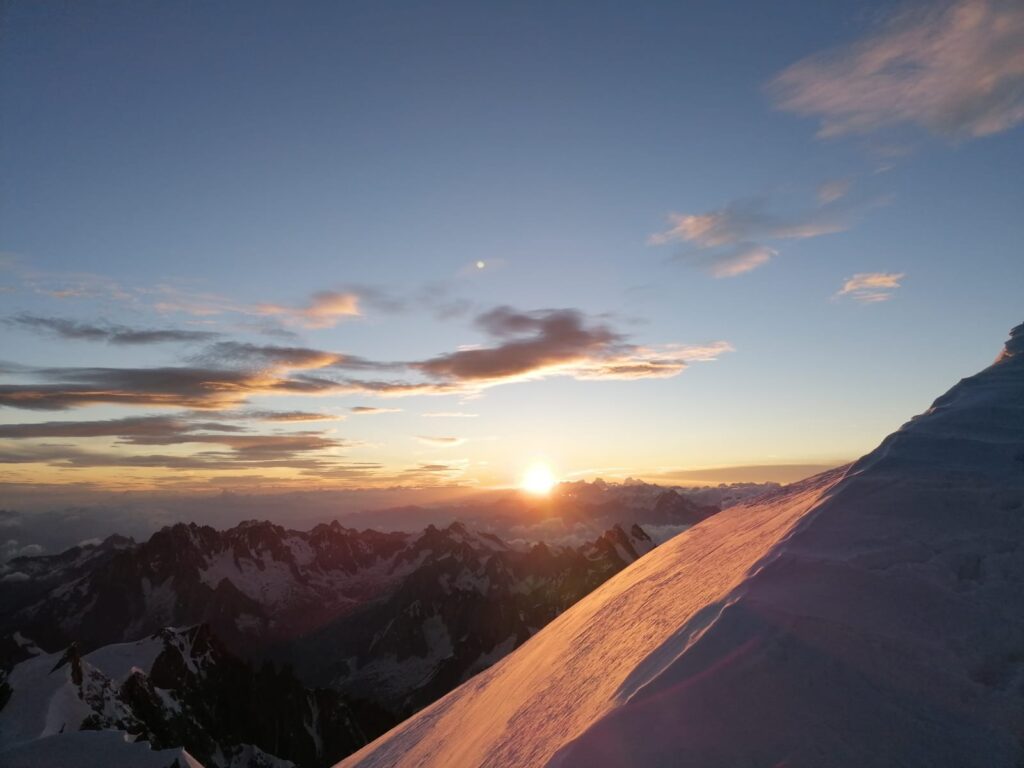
<point>871,616</point>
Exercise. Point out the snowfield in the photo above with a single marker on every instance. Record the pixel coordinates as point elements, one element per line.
<point>870,616</point>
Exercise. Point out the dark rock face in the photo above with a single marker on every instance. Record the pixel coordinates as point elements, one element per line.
<point>254,584</point>
<point>374,625</point>
<point>472,600</point>
<point>224,702</point>
<point>197,695</point>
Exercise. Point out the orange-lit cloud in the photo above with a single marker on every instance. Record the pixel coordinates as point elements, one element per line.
<point>372,410</point>
<point>743,220</point>
<point>728,241</point>
<point>562,342</point>
<point>226,374</point>
<point>323,310</point>
<point>954,68</point>
<point>743,258</point>
<point>440,441</point>
<point>288,416</point>
<point>871,287</point>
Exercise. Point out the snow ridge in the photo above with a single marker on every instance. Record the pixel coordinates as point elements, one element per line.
<point>871,616</point>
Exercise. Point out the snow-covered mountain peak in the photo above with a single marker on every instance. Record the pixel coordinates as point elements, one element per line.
<point>870,616</point>
<point>1014,345</point>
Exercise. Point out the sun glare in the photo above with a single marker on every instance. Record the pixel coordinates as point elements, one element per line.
<point>539,480</point>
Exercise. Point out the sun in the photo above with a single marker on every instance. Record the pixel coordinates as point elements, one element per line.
<point>538,480</point>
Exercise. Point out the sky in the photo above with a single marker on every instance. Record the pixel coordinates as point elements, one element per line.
<point>368,245</point>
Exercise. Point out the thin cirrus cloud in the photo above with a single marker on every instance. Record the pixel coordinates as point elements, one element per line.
<point>139,426</point>
<point>73,456</point>
<point>954,68</point>
<point>727,242</point>
<point>275,356</point>
<point>180,386</point>
<point>871,287</point>
<point>238,449</point>
<point>372,410</point>
<point>833,189</point>
<point>290,416</point>
<point>440,441</point>
<point>110,333</point>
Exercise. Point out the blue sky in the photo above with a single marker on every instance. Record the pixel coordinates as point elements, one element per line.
<point>647,185</point>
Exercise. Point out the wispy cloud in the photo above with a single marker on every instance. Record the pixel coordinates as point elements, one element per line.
<point>727,241</point>
<point>107,332</point>
<point>139,426</point>
<point>440,441</point>
<point>735,261</point>
<point>290,416</point>
<point>871,287</point>
<point>256,356</point>
<point>372,410</point>
<point>182,386</point>
<point>72,456</point>
<point>743,220</point>
<point>834,189</point>
<point>953,68</point>
<point>238,448</point>
<point>434,473</point>
<point>323,310</point>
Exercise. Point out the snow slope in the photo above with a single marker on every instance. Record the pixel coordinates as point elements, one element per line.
<point>870,616</point>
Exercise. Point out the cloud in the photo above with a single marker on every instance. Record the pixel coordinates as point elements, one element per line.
<point>833,190</point>
<point>553,339</point>
<point>735,261</point>
<point>263,446</point>
<point>73,457</point>
<point>727,241</point>
<point>743,220</point>
<point>370,410</point>
<point>190,387</point>
<point>871,287</point>
<point>289,416</point>
<point>110,333</point>
<point>955,69</point>
<point>139,426</point>
<point>243,449</point>
<point>323,310</point>
<point>550,342</point>
<point>443,442</point>
<point>267,355</point>
<point>12,548</point>
<point>526,345</point>
<point>433,473</point>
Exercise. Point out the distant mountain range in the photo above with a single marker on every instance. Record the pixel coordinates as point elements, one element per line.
<point>292,646</point>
